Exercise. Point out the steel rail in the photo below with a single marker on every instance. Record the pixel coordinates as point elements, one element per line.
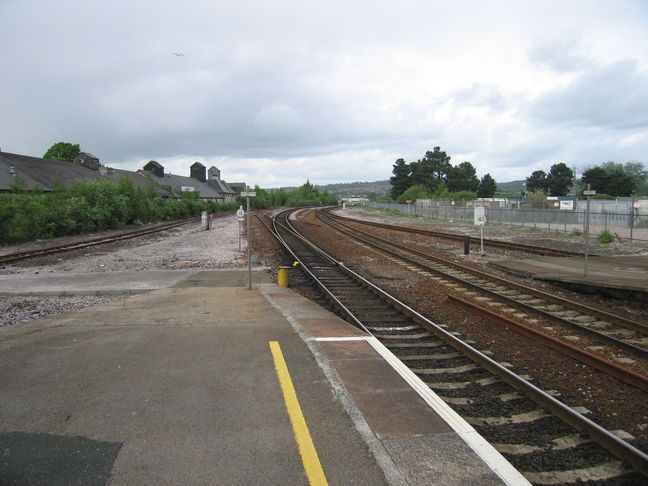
<point>454,236</point>
<point>23,255</point>
<point>609,441</point>
<point>637,326</point>
<point>608,367</point>
<point>538,293</point>
<point>333,298</point>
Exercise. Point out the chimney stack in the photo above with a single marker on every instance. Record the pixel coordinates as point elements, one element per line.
<point>198,171</point>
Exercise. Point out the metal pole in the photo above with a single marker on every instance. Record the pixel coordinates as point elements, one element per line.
<point>481,232</point>
<point>587,215</point>
<point>249,246</point>
<point>632,215</point>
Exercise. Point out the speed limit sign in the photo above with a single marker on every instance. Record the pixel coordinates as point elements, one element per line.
<point>240,213</point>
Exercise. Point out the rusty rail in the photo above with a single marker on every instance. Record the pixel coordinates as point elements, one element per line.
<point>619,372</point>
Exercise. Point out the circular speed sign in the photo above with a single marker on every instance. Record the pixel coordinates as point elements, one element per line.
<point>240,213</point>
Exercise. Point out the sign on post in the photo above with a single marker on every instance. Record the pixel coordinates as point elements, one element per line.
<point>480,219</point>
<point>247,195</point>
<point>567,205</point>
<point>480,215</point>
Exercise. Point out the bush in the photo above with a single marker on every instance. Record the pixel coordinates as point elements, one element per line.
<point>88,206</point>
<point>606,237</point>
<point>418,191</point>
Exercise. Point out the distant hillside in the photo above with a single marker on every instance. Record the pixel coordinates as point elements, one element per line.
<point>361,189</point>
<point>380,189</point>
<point>371,190</point>
<point>513,188</point>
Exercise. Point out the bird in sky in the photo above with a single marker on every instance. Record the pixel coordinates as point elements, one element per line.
<point>179,54</point>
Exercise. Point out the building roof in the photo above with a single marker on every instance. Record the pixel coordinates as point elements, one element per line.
<point>46,172</point>
<point>154,163</point>
<point>177,182</point>
<point>221,186</point>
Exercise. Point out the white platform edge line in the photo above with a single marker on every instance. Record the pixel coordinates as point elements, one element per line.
<point>477,443</point>
<point>333,339</point>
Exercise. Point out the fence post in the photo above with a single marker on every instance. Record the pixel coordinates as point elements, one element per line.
<point>564,216</point>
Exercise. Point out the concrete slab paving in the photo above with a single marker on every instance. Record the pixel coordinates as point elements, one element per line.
<point>123,283</point>
<point>178,386</point>
<point>629,273</point>
<point>193,398</point>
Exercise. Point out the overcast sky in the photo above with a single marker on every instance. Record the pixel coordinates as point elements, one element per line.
<point>274,93</point>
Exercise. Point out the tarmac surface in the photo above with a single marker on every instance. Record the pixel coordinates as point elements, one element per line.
<point>180,385</point>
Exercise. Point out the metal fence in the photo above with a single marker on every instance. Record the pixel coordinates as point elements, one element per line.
<point>632,225</point>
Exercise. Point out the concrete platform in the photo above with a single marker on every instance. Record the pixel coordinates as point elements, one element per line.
<point>113,283</point>
<point>178,386</point>
<point>619,276</point>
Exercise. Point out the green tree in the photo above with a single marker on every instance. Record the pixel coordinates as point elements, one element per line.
<point>537,181</point>
<point>432,169</point>
<point>637,171</point>
<point>611,179</point>
<point>400,181</point>
<point>595,177</point>
<point>560,180</point>
<point>62,151</point>
<point>463,177</point>
<point>487,186</point>
<point>538,199</point>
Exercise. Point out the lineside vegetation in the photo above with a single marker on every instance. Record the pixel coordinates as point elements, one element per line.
<point>306,195</point>
<point>87,206</point>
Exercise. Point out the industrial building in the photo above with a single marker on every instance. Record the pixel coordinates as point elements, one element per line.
<point>46,174</point>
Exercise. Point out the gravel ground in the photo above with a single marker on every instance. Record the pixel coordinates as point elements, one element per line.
<point>179,248</point>
<point>613,404</point>
<point>18,310</point>
<point>526,235</point>
<point>184,247</point>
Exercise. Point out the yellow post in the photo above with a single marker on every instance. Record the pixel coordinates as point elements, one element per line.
<point>282,276</point>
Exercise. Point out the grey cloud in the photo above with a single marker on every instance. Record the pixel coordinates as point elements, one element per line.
<point>613,96</point>
<point>284,82</point>
<point>481,94</point>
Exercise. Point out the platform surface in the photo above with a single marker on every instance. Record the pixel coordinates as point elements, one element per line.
<point>614,272</point>
<point>178,386</point>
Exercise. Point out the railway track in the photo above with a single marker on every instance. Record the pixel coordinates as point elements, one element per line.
<point>508,245</point>
<point>629,337</point>
<point>25,255</point>
<point>544,439</point>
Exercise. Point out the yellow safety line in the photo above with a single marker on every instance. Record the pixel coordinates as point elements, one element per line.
<point>311,462</point>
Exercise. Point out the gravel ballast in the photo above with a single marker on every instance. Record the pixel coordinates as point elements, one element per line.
<point>181,248</point>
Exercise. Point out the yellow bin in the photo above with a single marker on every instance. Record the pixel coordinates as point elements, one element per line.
<point>282,276</point>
